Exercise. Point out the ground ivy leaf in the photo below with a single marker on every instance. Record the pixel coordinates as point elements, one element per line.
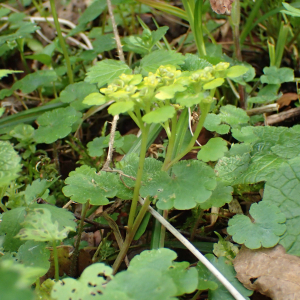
<point>228,271</point>
<point>39,226</point>
<point>221,195</point>
<point>9,163</point>
<point>36,256</point>
<point>283,190</point>
<point>159,115</point>
<point>233,115</point>
<point>56,124</point>
<point>85,184</point>
<point>274,75</point>
<point>192,182</point>
<point>264,231</point>
<point>76,92</point>
<point>106,71</point>
<point>213,123</point>
<point>10,226</point>
<point>152,61</point>
<point>213,150</point>
<point>121,107</point>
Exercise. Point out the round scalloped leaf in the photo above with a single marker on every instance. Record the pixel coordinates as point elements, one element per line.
<point>56,124</point>
<point>9,163</point>
<point>274,75</point>
<point>159,115</point>
<point>283,190</point>
<point>217,290</point>
<point>213,150</point>
<point>85,184</point>
<point>76,92</point>
<point>121,107</point>
<point>94,99</point>
<point>213,84</point>
<point>191,182</point>
<point>233,115</point>
<point>221,195</point>
<point>39,226</point>
<point>89,285</point>
<point>213,123</point>
<point>264,231</point>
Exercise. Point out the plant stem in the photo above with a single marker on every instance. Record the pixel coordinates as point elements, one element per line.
<point>195,297</point>
<point>130,235</point>
<point>138,181</point>
<point>62,42</point>
<point>84,210</point>
<point>55,260</point>
<point>205,106</point>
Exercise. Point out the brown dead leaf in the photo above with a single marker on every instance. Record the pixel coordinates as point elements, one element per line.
<point>271,272</point>
<point>221,6</point>
<point>286,99</point>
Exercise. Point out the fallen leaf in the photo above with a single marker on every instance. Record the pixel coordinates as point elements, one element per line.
<point>286,99</point>
<point>221,6</point>
<point>271,272</point>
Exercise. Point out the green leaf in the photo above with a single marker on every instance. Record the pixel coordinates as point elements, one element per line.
<point>56,124</point>
<point>39,226</point>
<point>283,190</point>
<point>152,61</point>
<point>267,94</point>
<point>213,123</point>
<point>188,99</point>
<point>36,189</point>
<point>264,231</point>
<point>34,255</point>
<point>213,84</point>
<point>85,184</point>
<point>121,107</point>
<point>10,226</point>
<point>9,163</point>
<point>94,99</point>
<point>104,43</point>
<point>4,73</point>
<point>31,82</point>
<point>168,92</point>
<point>273,75</point>
<point>76,92</point>
<point>159,115</point>
<point>12,283</point>
<point>228,271</point>
<point>233,115</point>
<point>236,71</point>
<point>221,195</point>
<point>106,71</point>
<point>91,283</point>
<point>194,62</point>
<point>96,146</point>
<point>213,150</point>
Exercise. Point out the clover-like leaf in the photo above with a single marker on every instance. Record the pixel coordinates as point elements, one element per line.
<point>76,92</point>
<point>91,283</point>
<point>152,61</point>
<point>39,226</point>
<point>264,231</point>
<point>106,71</point>
<point>273,75</point>
<point>56,124</point>
<point>221,195</point>
<point>85,184</point>
<point>283,190</point>
<point>213,150</point>
<point>213,123</point>
<point>159,115</point>
<point>9,163</point>
<point>206,279</point>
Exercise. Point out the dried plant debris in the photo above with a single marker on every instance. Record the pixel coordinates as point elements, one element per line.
<point>271,272</point>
